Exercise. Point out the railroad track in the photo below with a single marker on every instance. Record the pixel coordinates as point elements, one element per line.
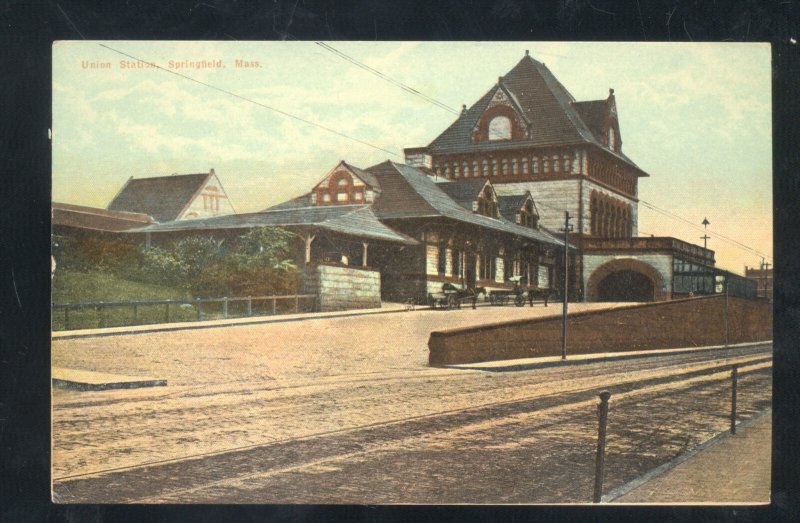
<point>157,478</point>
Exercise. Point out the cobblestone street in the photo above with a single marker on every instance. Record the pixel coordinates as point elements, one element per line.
<point>312,413</point>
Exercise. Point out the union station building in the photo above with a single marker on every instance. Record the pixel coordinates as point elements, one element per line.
<point>486,201</point>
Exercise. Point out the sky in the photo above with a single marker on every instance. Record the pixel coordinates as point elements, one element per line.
<point>695,116</point>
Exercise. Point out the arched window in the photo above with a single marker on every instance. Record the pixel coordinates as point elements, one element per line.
<point>612,138</point>
<point>500,128</point>
<point>487,205</point>
<point>527,217</point>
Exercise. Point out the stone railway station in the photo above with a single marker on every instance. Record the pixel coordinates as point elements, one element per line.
<point>482,205</point>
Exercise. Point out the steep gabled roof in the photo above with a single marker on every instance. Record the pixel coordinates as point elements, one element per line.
<point>414,194</point>
<point>593,113</point>
<point>554,116</point>
<point>95,219</point>
<point>354,220</point>
<point>464,192</point>
<point>162,197</point>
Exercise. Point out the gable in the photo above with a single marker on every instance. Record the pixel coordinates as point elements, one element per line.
<point>345,184</point>
<point>209,200</point>
<point>501,120</point>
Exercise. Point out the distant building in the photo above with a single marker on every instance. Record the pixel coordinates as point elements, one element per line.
<point>176,197</point>
<point>762,276</point>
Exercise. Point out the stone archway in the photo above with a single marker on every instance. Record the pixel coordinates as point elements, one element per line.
<point>626,280</point>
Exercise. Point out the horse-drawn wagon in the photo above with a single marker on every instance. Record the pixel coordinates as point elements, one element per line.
<point>452,296</point>
<point>520,295</point>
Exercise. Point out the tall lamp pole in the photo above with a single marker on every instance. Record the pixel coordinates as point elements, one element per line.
<point>705,235</point>
<point>567,228</point>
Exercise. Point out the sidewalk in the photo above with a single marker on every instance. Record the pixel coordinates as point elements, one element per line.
<point>579,359</point>
<point>386,307</point>
<point>727,469</point>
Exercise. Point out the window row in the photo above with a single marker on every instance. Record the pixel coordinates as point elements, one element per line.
<point>509,166</point>
<point>610,218</point>
<point>452,262</point>
<point>611,174</point>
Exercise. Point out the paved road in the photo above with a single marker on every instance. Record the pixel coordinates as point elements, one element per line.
<point>317,429</point>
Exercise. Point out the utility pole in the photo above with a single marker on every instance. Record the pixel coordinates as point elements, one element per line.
<point>567,228</point>
<point>764,268</point>
<point>705,237</point>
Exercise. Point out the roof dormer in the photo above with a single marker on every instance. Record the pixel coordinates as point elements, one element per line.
<point>503,118</point>
<point>345,185</point>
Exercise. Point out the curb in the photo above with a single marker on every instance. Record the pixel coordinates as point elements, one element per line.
<point>661,469</point>
<point>601,358</point>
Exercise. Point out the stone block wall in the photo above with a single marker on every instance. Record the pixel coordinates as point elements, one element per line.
<point>342,287</point>
<point>691,322</point>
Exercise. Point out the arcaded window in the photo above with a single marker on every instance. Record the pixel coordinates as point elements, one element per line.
<point>500,128</point>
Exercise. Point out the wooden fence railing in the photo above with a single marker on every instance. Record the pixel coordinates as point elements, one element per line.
<point>109,312</point>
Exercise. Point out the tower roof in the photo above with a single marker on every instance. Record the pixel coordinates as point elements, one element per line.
<point>552,115</point>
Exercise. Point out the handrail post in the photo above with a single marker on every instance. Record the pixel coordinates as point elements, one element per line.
<point>101,320</point>
<point>734,384</point>
<point>199,309</point>
<point>135,313</point>
<point>600,458</point>
<point>166,312</point>
<point>249,306</point>
<point>225,307</point>
<point>274,306</point>
<point>66,318</point>
<point>296,303</point>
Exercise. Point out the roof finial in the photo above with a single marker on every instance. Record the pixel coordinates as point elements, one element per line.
<point>610,91</point>
<point>527,53</point>
<point>499,79</point>
<point>463,108</point>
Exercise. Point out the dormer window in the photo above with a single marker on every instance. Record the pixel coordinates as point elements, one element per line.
<point>487,203</point>
<point>527,216</point>
<point>500,128</point>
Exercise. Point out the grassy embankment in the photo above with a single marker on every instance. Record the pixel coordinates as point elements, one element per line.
<point>79,287</point>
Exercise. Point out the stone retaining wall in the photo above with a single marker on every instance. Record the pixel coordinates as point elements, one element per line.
<point>691,322</point>
<point>342,287</point>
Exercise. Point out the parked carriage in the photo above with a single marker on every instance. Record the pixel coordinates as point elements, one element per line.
<point>520,294</point>
<point>452,296</point>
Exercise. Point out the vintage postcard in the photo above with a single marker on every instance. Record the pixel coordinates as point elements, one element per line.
<point>411,272</point>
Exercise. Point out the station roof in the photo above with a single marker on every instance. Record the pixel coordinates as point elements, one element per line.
<point>354,220</point>
<point>96,219</point>
<point>410,193</point>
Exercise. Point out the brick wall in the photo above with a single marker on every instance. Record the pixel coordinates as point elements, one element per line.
<point>342,287</point>
<point>691,322</point>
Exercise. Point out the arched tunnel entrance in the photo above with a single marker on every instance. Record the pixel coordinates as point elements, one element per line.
<point>625,285</point>
<point>626,280</point>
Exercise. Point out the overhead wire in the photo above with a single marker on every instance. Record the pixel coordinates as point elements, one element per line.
<point>387,78</point>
